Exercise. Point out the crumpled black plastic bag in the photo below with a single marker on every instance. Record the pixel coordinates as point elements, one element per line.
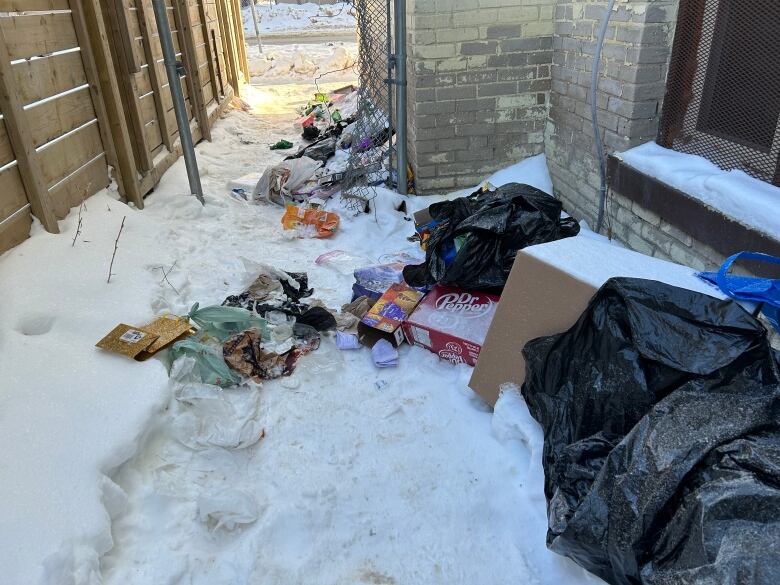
<point>497,224</point>
<point>661,417</point>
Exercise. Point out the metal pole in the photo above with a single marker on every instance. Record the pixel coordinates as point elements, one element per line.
<point>389,84</point>
<point>174,82</point>
<point>400,86</point>
<point>257,26</point>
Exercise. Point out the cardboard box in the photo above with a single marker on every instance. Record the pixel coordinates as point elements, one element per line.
<point>548,289</point>
<point>384,319</point>
<point>452,323</point>
<point>141,343</point>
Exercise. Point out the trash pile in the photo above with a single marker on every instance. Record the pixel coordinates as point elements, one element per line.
<point>308,179</point>
<point>661,416</point>
<point>312,175</point>
<point>471,242</point>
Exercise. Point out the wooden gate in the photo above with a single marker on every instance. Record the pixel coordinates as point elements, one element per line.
<point>53,151</point>
<point>83,88</point>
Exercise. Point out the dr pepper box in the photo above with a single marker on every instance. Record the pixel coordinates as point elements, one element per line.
<point>452,323</point>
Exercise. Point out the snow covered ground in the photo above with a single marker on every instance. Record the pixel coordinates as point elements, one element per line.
<point>362,476</point>
<point>327,62</point>
<point>280,20</point>
<point>746,199</point>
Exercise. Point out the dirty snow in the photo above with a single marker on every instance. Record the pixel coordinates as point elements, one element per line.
<point>291,19</point>
<point>362,476</point>
<point>736,194</point>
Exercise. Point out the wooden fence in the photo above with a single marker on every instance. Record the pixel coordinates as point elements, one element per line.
<point>83,90</point>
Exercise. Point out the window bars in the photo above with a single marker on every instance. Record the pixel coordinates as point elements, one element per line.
<point>723,91</point>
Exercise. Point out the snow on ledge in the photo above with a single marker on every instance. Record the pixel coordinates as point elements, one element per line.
<point>737,195</point>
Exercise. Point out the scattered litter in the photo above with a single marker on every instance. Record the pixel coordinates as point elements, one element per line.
<point>384,319</point>
<point>207,416</point>
<point>347,341</point>
<point>278,295</point>
<point>659,410</point>
<point>127,340</point>
<point>221,322</point>
<point>310,223</point>
<point>372,281</point>
<point>341,261</point>
<point>168,330</point>
<point>452,323</point>
<point>278,182</point>
<point>227,510</point>
<point>141,343</point>
<point>359,307</point>
<point>282,145</point>
<point>473,240</point>
<point>244,353</point>
<point>246,183</point>
<point>380,384</point>
<point>209,361</point>
<point>384,354</point>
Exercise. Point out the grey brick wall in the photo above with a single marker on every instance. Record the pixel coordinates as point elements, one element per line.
<point>631,89</point>
<point>634,67</point>
<point>495,81</point>
<point>479,85</point>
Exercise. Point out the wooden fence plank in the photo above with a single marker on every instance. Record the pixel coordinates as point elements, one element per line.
<point>231,56</point>
<point>109,85</point>
<point>85,180</point>
<point>59,159</point>
<point>239,38</point>
<point>125,35</point>
<point>96,92</point>
<point>155,78</point>
<point>21,140</point>
<point>12,194</point>
<point>129,87</point>
<point>55,118</point>
<point>22,5</point>
<point>6,150</point>
<point>15,231</point>
<point>184,24</point>
<point>42,78</point>
<point>38,34</point>
<point>209,53</point>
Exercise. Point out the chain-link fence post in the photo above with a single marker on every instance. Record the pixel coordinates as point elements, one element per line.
<point>370,158</point>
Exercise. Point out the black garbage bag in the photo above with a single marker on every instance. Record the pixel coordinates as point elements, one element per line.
<point>487,229</point>
<point>661,417</point>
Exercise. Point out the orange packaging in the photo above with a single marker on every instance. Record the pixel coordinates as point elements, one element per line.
<point>324,223</point>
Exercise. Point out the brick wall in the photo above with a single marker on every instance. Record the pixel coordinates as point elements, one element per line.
<point>479,85</point>
<point>495,81</point>
<point>631,89</point>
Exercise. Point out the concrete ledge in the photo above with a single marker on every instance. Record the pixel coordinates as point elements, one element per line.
<point>704,224</point>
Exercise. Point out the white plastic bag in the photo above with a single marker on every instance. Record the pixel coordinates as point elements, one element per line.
<point>228,509</point>
<point>207,416</point>
<point>279,181</point>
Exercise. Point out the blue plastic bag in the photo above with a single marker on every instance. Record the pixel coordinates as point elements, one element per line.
<point>750,288</point>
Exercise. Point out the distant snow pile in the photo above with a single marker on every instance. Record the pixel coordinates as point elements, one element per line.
<point>285,18</point>
<point>734,193</point>
<point>279,61</point>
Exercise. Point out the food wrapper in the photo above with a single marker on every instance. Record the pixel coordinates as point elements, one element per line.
<point>168,330</point>
<point>141,343</point>
<point>127,340</point>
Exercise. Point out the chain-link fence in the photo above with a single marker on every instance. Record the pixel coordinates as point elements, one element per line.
<point>369,163</point>
<point>723,91</point>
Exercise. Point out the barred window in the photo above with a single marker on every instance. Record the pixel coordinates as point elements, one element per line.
<point>723,90</point>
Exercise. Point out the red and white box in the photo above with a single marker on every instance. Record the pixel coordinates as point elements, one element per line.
<point>452,323</point>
